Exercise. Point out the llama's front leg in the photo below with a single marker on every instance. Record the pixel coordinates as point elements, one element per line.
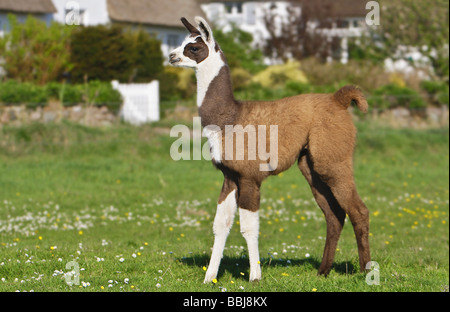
<point>221,228</point>
<point>249,221</point>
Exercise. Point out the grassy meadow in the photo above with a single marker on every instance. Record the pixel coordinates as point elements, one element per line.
<point>114,202</point>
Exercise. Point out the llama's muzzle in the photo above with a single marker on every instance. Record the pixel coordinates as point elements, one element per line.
<point>173,59</point>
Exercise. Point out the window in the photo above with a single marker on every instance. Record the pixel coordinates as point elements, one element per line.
<point>233,7</point>
<point>172,41</point>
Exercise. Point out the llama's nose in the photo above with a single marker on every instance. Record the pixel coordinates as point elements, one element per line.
<point>173,58</point>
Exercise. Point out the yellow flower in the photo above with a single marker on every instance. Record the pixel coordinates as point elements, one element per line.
<point>214,281</point>
<point>40,237</point>
<point>204,268</point>
<point>171,229</point>
<point>284,274</point>
<point>314,289</point>
<point>80,232</point>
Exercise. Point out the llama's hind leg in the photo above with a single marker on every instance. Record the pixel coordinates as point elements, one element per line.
<point>339,178</point>
<point>226,209</point>
<point>333,212</point>
<point>344,189</point>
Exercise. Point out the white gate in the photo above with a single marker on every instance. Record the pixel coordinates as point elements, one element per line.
<point>141,101</point>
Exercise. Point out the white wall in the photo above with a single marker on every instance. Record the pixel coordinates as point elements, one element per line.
<point>92,12</point>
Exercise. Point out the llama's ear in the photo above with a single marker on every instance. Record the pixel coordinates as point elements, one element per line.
<point>190,27</point>
<point>205,30</point>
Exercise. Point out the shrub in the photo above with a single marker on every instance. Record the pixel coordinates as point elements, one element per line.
<point>437,92</point>
<point>95,93</point>
<point>109,53</point>
<point>13,92</point>
<point>147,58</point>
<point>237,46</point>
<point>100,53</point>
<point>392,95</point>
<point>278,75</point>
<point>67,94</point>
<point>35,52</point>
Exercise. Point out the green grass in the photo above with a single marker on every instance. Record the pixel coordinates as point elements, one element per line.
<point>134,220</point>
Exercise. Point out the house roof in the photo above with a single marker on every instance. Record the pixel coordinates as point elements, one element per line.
<point>27,6</point>
<point>154,12</point>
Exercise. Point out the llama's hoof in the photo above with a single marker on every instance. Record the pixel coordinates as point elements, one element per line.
<point>209,278</point>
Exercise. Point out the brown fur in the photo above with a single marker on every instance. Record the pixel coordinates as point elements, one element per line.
<point>314,129</point>
<point>317,131</point>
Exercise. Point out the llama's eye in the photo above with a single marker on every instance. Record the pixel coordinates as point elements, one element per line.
<point>194,49</point>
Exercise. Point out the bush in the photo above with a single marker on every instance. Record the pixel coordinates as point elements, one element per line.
<point>109,53</point>
<point>278,75</point>
<point>437,92</point>
<point>35,52</point>
<point>68,95</point>
<point>13,92</point>
<point>392,96</point>
<point>99,93</point>
<point>93,93</point>
<point>100,53</point>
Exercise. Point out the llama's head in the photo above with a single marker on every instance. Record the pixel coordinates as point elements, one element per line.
<point>198,46</point>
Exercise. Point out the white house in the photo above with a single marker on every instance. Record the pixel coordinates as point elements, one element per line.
<point>42,9</point>
<point>348,17</point>
<point>159,17</point>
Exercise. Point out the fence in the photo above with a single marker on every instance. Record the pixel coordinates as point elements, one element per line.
<point>140,101</point>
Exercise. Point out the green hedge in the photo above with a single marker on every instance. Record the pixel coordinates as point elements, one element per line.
<point>392,96</point>
<point>94,93</point>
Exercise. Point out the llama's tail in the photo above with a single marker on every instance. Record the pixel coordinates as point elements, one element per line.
<point>348,94</point>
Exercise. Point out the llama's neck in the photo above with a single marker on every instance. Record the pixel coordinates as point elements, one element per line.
<point>215,98</point>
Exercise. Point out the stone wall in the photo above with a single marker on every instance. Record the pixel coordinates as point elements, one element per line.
<point>430,117</point>
<point>89,116</point>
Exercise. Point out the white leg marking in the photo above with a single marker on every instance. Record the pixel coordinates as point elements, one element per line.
<point>250,230</point>
<point>222,225</point>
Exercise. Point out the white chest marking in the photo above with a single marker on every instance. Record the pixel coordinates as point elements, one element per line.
<point>214,135</point>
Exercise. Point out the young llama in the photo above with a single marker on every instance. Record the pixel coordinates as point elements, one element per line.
<point>316,130</point>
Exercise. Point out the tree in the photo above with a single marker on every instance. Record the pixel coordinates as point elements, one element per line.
<point>113,53</point>
<point>298,35</point>
<point>237,46</point>
<point>33,52</point>
<point>147,57</point>
<point>101,53</point>
<point>408,25</point>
